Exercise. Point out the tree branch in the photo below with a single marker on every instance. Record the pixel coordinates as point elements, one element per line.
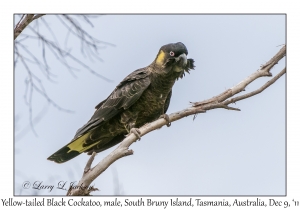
<point>24,22</point>
<point>238,98</point>
<point>219,101</point>
<point>264,71</point>
<point>50,45</point>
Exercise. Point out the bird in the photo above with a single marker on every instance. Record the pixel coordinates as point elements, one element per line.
<point>140,98</point>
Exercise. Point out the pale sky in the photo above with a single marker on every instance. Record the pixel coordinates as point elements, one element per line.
<point>221,152</point>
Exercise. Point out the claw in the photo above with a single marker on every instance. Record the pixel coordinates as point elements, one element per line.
<point>166,117</point>
<point>136,132</point>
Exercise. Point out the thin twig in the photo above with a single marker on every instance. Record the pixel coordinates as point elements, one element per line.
<point>89,163</point>
<point>26,56</point>
<point>270,82</point>
<point>38,16</point>
<point>264,71</point>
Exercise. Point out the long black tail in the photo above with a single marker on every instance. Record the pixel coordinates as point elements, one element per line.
<point>72,149</point>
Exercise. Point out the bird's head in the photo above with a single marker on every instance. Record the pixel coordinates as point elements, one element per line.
<point>173,57</point>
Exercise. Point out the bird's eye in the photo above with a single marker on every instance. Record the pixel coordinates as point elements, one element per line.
<point>172,53</point>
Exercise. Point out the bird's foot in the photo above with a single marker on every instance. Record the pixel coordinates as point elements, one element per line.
<point>166,117</point>
<point>136,132</point>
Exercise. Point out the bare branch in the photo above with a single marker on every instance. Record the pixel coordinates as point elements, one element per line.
<point>63,53</point>
<point>29,81</point>
<point>25,56</point>
<point>22,25</point>
<point>267,66</point>
<point>87,20</point>
<point>38,16</point>
<point>34,83</point>
<point>270,82</point>
<point>199,107</point>
<point>26,19</point>
<point>264,71</point>
<point>89,163</point>
<point>20,20</point>
<point>19,135</point>
<point>43,67</point>
<point>89,45</point>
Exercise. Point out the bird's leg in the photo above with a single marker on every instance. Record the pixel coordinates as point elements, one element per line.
<point>166,117</point>
<point>132,129</point>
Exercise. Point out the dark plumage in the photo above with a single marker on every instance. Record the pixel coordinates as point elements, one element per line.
<point>142,97</point>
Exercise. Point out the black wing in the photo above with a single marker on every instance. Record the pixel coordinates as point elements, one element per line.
<point>123,96</point>
<point>167,103</point>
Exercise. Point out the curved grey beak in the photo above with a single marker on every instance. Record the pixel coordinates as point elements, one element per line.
<point>182,59</point>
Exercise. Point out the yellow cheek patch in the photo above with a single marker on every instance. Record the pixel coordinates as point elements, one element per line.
<point>160,58</point>
<point>77,145</point>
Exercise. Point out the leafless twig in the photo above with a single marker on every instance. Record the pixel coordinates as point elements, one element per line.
<point>29,59</point>
<point>24,22</point>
